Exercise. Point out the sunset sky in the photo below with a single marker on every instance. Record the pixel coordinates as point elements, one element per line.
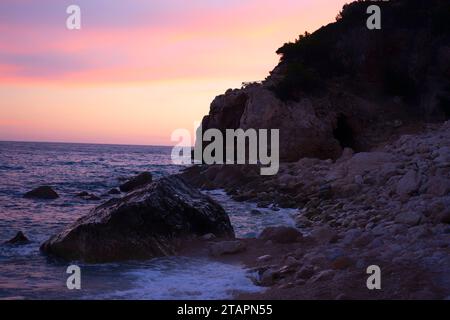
<point>138,69</point>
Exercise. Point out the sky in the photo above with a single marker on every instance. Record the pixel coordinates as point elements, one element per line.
<point>138,69</point>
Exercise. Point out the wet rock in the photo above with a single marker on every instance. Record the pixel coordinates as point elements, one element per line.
<point>256,212</point>
<point>265,258</point>
<point>208,237</point>
<point>264,204</point>
<point>302,222</point>
<point>19,239</point>
<point>43,192</point>
<point>148,223</point>
<point>114,191</point>
<point>227,248</point>
<point>282,235</point>
<point>137,182</point>
<point>267,278</point>
<point>88,196</point>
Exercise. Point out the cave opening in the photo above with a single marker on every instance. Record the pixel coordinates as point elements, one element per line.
<point>344,133</point>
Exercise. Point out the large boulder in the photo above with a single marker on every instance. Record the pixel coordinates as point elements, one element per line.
<point>148,223</point>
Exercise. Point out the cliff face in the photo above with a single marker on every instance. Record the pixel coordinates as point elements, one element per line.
<point>347,86</point>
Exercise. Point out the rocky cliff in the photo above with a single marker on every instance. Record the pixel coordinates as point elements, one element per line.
<point>347,86</point>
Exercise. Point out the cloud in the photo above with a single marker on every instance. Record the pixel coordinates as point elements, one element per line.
<point>146,40</point>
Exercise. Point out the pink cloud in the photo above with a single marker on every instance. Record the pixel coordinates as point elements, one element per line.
<point>218,41</point>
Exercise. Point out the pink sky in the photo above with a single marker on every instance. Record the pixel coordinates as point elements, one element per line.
<point>139,69</point>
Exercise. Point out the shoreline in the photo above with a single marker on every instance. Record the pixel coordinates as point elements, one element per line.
<point>377,209</point>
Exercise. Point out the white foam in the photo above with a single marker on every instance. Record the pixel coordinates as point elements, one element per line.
<point>186,279</point>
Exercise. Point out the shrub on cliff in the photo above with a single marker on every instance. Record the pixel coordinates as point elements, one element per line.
<point>297,76</point>
<point>394,61</point>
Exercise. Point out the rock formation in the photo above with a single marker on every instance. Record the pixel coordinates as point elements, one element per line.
<point>347,86</point>
<point>43,192</point>
<point>147,223</point>
<point>19,239</point>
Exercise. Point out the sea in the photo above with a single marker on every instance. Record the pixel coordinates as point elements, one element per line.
<point>25,273</point>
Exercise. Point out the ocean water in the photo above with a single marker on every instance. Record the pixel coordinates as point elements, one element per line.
<point>73,168</point>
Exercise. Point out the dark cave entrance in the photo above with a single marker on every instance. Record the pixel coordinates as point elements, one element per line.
<point>344,133</point>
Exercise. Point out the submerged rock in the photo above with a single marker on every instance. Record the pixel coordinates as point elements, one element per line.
<point>19,239</point>
<point>144,224</point>
<point>137,182</point>
<point>43,192</point>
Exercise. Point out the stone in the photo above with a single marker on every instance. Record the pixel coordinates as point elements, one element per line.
<point>43,192</point>
<point>292,262</point>
<point>325,275</point>
<point>256,212</point>
<point>302,222</point>
<point>114,191</point>
<point>208,237</point>
<point>410,218</point>
<point>267,278</point>
<point>324,235</point>
<point>438,186</point>
<point>88,196</point>
<point>265,258</point>
<point>282,235</point>
<point>305,272</point>
<point>408,184</point>
<point>444,216</point>
<point>148,223</point>
<point>19,239</point>
<point>137,182</point>
<point>359,180</point>
<point>227,248</point>
<point>351,236</point>
<point>341,263</point>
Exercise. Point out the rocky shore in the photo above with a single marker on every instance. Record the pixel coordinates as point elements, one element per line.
<point>389,207</point>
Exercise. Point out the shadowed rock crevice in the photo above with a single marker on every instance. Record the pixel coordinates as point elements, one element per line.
<point>344,134</point>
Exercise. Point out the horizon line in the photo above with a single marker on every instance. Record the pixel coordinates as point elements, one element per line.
<point>90,143</point>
